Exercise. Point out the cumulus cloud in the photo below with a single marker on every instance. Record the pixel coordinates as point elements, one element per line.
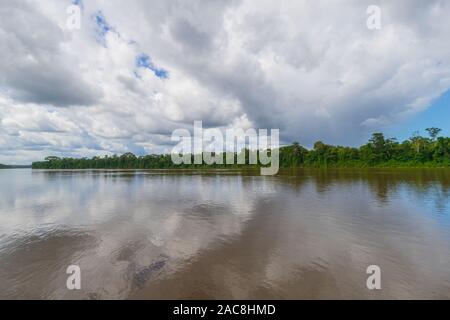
<point>136,71</point>
<point>34,65</point>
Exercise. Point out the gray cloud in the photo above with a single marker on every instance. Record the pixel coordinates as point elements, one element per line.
<point>310,68</point>
<point>33,66</point>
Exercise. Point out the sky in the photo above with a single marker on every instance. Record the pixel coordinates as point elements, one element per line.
<point>137,70</point>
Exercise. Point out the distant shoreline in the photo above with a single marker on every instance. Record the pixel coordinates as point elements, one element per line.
<point>206,168</point>
<point>5,166</point>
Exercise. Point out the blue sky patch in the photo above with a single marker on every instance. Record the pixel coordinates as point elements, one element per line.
<point>144,61</point>
<point>78,3</point>
<point>436,115</point>
<point>102,27</point>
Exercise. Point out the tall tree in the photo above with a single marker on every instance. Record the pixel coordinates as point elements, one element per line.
<point>433,132</point>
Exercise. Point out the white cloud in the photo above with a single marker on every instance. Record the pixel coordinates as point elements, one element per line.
<point>310,68</point>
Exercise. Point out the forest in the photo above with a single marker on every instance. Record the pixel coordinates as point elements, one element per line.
<point>417,151</point>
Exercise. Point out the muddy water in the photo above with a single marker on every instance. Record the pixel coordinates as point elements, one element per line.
<point>225,234</point>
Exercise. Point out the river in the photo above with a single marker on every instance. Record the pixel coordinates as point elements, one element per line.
<point>225,234</point>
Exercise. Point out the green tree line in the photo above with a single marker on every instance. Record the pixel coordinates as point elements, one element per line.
<point>417,151</point>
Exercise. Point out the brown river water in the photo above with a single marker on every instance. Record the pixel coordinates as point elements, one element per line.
<point>303,234</point>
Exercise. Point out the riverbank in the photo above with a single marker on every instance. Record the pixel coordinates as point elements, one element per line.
<point>4,166</point>
<point>343,165</point>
